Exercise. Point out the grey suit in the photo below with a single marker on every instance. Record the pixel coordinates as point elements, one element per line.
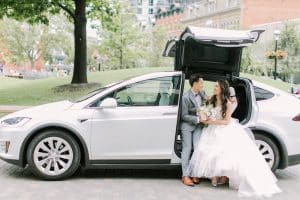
<point>190,128</point>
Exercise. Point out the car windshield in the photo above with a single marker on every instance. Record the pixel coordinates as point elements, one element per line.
<point>94,92</point>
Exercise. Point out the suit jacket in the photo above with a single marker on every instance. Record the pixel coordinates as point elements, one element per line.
<point>189,109</point>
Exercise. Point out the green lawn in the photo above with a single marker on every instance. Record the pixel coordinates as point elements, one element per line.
<point>34,92</point>
<point>277,84</point>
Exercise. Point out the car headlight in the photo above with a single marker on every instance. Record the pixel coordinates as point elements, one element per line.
<point>15,121</point>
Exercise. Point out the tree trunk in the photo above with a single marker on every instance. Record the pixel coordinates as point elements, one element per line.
<point>80,60</point>
<point>32,63</point>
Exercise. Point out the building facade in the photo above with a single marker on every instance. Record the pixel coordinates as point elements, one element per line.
<point>145,10</point>
<point>235,14</point>
<point>170,19</point>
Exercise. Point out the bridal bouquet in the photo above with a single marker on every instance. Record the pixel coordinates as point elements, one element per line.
<point>207,111</point>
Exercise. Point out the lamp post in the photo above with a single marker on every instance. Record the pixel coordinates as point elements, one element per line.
<point>98,60</point>
<point>276,34</point>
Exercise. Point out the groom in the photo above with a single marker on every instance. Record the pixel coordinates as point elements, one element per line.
<point>190,124</point>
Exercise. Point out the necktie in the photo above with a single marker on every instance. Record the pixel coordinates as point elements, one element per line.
<point>197,98</point>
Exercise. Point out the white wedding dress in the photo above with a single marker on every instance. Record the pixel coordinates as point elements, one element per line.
<point>227,150</point>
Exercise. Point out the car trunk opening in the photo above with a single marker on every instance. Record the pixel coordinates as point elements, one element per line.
<point>199,57</point>
<point>209,51</point>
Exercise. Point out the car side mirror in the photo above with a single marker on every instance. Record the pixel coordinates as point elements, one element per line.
<point>109,103</point>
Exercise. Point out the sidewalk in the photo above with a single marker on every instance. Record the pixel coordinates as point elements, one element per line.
<point>11,108</point>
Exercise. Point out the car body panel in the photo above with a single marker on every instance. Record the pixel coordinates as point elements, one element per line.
<point>276,113</point>
<point>134,132</point>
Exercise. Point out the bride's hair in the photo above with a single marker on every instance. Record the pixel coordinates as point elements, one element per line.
<point>224,85</point>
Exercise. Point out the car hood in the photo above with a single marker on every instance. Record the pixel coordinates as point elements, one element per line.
<point>41,110</point>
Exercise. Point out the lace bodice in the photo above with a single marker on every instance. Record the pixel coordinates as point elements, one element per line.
<point>217,112</point>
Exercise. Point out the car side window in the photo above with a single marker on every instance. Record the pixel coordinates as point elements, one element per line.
<point>162,91</point>
<point>262,94</point>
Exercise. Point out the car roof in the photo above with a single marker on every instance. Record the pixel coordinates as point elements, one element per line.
<point>153,75</point>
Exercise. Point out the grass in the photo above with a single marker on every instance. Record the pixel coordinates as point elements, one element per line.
<point>275,83</point>
<point>2,114</point>
<point>35,92</point>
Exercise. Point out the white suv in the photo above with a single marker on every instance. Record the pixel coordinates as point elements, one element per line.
<point>135,123</point>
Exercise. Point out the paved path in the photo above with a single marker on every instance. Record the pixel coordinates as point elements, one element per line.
<point>17,183</point>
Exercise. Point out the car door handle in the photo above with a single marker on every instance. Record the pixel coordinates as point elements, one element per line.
<point>82,120</point>
<point>170,113</point>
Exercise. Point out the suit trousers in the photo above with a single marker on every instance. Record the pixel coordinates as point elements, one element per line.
<point>189,142</point>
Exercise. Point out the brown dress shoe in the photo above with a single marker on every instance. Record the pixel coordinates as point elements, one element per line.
<point>196,180</point>
<point>187,181</point>
<point>223,180</point>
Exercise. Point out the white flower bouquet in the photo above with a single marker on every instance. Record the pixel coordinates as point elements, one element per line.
<point>207,112</point>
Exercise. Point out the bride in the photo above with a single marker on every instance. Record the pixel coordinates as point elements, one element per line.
<point>225,152</point>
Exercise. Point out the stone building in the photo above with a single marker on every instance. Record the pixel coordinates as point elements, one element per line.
<point>235,14</point>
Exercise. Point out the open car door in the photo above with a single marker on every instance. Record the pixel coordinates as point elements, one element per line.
<point>210,51</point>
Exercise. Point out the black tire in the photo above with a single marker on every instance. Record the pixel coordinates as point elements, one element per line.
<point>260,137</point>
<point>67,146</point>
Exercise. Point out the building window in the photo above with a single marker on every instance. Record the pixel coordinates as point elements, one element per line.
<point>150,11</point>
<point>231,3</point>
<point>139,2</point>
<point>150,2</point>
<point>234,2</point>
<point>139,10</point>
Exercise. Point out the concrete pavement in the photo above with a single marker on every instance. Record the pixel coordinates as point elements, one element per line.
<point>17,183</point>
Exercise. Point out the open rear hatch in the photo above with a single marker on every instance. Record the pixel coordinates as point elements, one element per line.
<point>210,51</point>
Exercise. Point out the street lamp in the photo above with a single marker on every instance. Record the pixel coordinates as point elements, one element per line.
<point>276,34</point>
<point>98,60</point>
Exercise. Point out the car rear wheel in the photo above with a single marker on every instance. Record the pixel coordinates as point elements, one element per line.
<point>268,149</point>
<point>53,155</point>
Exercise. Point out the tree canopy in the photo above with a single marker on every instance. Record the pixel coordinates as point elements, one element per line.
<point>77,11</point>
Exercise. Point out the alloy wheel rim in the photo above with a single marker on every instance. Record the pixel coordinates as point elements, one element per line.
<point>53,156</point>
<point>266,151</point>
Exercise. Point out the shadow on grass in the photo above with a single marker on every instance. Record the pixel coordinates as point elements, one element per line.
<point>75,87</point>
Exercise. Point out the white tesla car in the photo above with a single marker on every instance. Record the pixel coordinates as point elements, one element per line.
<point>135,123</point>
<point>277,126</point>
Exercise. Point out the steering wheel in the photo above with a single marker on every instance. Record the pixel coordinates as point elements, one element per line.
<point>129,100</point>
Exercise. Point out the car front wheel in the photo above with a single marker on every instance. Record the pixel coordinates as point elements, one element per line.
<point>268,149</point>
<point>53,155</point>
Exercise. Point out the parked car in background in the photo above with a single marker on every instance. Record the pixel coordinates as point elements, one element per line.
<point>297,92</point>
<point>135,123</point>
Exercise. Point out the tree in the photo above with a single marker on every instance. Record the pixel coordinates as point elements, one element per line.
<point>290,43</point>
<point>122,40</point>
<point>158,39</point>
<point>77,11</point>
<point>28,42</point>
<point>246,61</point>
<point>22,40</point>
<point>127,44</point>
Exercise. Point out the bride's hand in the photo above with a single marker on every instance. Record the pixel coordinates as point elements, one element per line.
<point>209,121</point>
<point>204,121</point>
